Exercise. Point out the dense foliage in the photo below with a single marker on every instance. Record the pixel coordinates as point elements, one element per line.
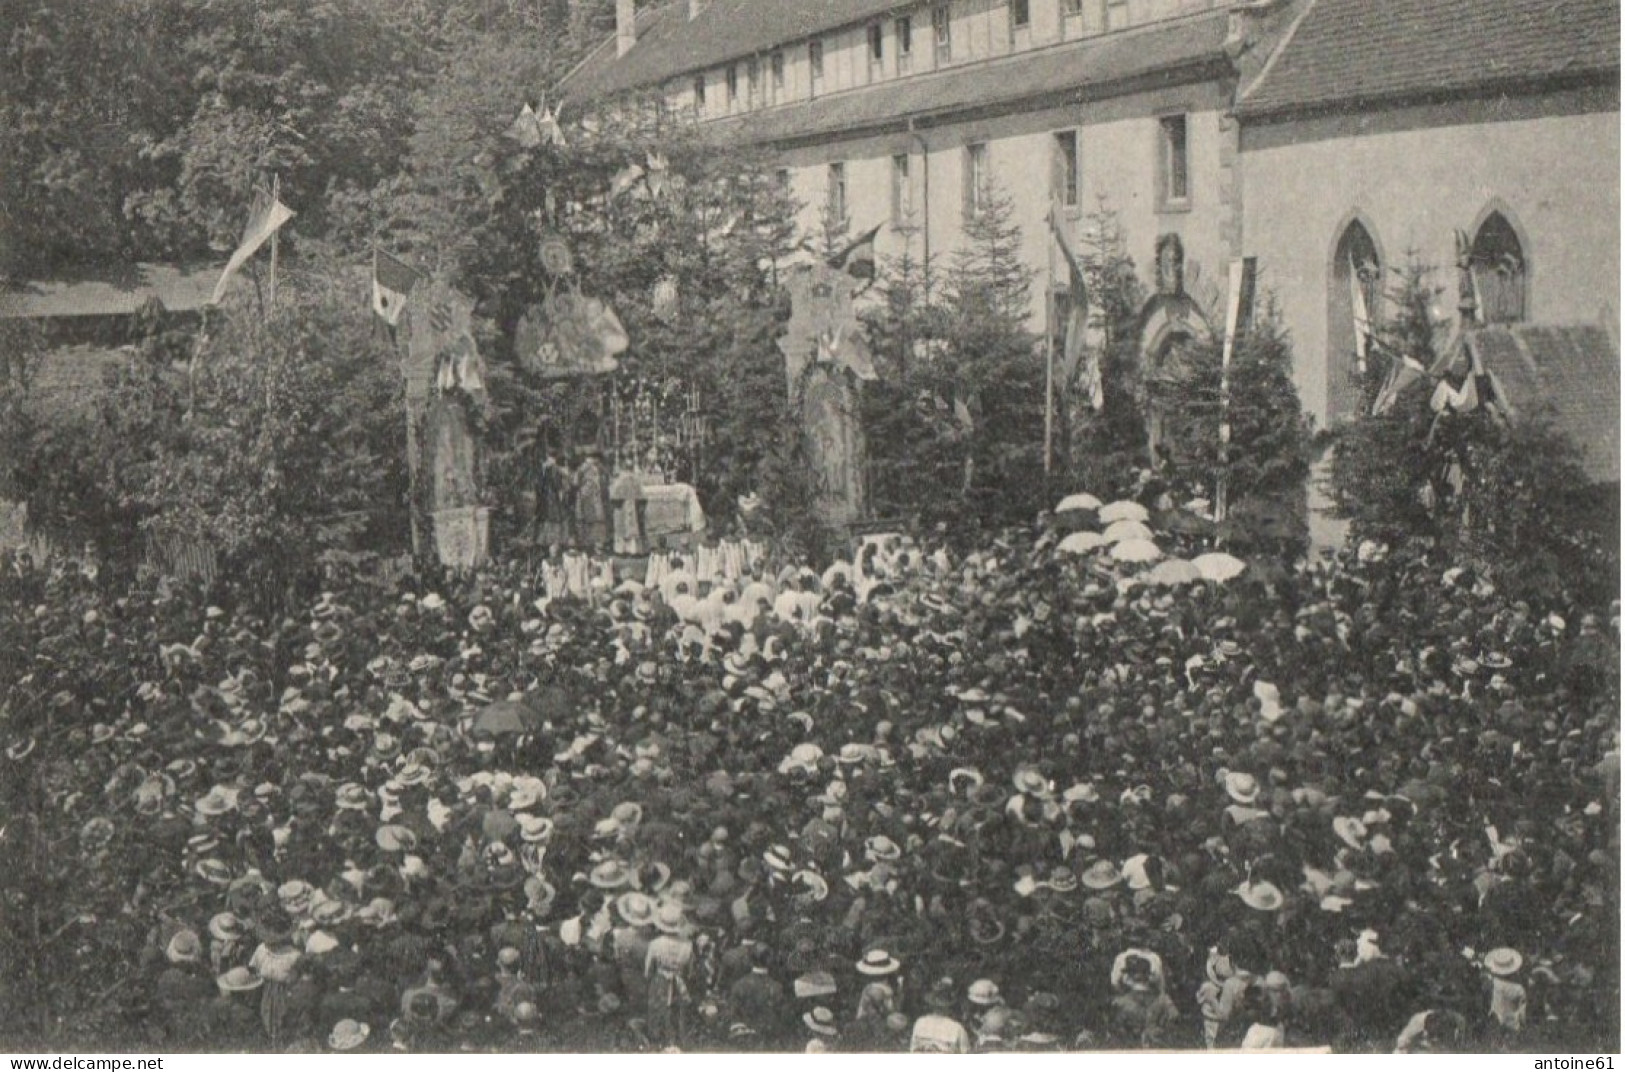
<point>1508,498</point>
<point>955,426</point>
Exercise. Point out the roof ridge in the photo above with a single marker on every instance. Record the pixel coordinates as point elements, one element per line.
<point>987,63</point>
<point>608,42</point>
<point>1280,48</point>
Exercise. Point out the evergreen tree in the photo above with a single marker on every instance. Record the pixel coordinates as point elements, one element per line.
<point>991,368</point>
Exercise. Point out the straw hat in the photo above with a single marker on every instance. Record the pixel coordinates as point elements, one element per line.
<point>637,909</point>
<point>238,980</point>
<point>670,919</point>
<point>880,847</point>
<point>1101,875</point>
<point>1503,961</point>
<point>184,947</point>
<point>878,962</point>
<point>395,838</point>
<point>352,796</point>
<point>1262,896</point>
<point>821,1021</point>
<point>226,927</point>
<point>348,1035</point>
<point>1243,788</point>
<point>984,992</point>
<point>609,875</point>
<point>534,828</point>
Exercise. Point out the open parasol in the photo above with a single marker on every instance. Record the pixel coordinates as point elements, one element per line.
<point>1081,543</point>
<point>1136,551</point>
<point>1124,510</point>
<point>1118,531</point>
<point>1173,572</point>
<point>1218,566</point>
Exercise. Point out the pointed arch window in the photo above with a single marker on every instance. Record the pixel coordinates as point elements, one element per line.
<point>1353,311</point>
<point>1500,273</point>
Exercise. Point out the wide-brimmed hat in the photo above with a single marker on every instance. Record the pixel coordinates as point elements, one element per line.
<point>637,909</point>
<point>881,848</point>
<point>671,919</point>
<point>392,837</point>
<point>534,828</point>
<point>820,1021</point>
<point>810,886</point>
<point>352,796</point>
<point>238,980</point>
<point>216,802</point>
<point>226,927</point>
<point>1352,832</point>
<point>1262,896</point>
<point>295,895</point>
<point>609,875</point>
<point>986,930</point>
<point>214,871</point>
<point>184,947</point>
<point>1503,961</point>
<point>526,795</point>
<point>1242,787</point>
<point>1061,880</point>
<point>878,962</point>
<point>1101,875</point>
<point>984,992</point>
<point>347,1035</point>
<point>1031,782</point>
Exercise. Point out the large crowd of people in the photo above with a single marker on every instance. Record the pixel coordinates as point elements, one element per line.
<point>1040,797</point>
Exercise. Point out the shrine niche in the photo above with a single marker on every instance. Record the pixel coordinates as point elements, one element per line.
<point>825,357</point>
<point>1172,324</point>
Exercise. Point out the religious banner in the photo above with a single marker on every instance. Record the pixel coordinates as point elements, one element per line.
<point>825,355</point>
<point>446,397</point>
<point>462,536</point>
<point>823,326</point>
<point>570,335</point>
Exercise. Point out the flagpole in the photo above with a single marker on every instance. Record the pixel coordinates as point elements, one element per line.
<point>1232,318</point>
<point>1049,350</point>
<point>276,191</point>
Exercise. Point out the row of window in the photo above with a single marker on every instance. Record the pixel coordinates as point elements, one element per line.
<point>1173,179</point>
<point>1114,16</point>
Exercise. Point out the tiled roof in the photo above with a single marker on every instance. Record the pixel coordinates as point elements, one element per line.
<point>669,43</point>
<point>1078,67</point>
<point>113,291</point>
<point>1348,53</point>
<point>1574,369</point>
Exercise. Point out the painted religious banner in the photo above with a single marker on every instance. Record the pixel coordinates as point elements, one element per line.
<point>825,355</point>
<point>446,396</point>
<point>570,335</point>
<point>823,326</point>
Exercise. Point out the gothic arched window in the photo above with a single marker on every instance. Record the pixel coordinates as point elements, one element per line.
<point>1500,274</point>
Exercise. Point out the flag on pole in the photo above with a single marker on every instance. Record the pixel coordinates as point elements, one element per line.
<point>858,258</point>
<point>624,180</point>
<point>1077,318</point>
<point>268,214</point>
<point>658,166</point>
<point>1362,316</point>
<point>1463,399</point>
<point>527,129</point>
<point>392,283</point>
<point>1406,371</point>
<point>548,126</point>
